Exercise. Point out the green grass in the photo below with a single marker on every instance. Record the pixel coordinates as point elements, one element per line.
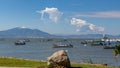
<point>14,62</point>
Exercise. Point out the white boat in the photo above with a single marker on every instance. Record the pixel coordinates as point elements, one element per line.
<point>20,42</point>
<point>62,45</point>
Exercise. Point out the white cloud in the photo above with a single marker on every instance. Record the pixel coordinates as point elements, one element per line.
<point>82,25</point>
<point>96,28</point>
<point>107,14</point>
<point>78,22</point>
<point>54,14</point>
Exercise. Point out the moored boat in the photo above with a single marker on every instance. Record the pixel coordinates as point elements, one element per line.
<point>109,47</point>
<point>83,42</point>
<point>20,42</point>
<point>60,45</point>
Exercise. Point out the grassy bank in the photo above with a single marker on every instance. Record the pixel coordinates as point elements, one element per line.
<point>13,62</point>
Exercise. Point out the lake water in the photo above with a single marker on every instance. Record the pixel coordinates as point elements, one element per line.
<point>41,49</point>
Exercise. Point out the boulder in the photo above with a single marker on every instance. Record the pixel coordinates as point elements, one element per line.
<point>59,59</point>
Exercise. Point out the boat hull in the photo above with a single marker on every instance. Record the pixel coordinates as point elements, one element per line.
<point>108,47</point>
<point>62,46</point>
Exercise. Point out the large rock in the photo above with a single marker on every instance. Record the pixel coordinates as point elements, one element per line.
<point>59,59</point>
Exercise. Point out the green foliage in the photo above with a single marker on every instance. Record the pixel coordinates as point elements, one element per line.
<point>116,50</point>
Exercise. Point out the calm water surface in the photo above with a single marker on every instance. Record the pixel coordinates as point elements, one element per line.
<point>40,49</point>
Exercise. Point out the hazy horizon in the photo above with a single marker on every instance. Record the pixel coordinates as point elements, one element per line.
<point>58,34</point>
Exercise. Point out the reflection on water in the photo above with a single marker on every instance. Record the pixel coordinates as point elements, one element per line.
<point>41,49</point>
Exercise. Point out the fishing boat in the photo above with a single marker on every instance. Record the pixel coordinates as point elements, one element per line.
<point>97,43</point>
<point>20,42</point>
<point>83,42</point>
<point>62,45</point>
<point>109,47</point>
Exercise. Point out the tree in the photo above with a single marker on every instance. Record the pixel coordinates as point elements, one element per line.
<point>117,50</point>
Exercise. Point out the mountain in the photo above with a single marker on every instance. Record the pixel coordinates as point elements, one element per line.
<point>35,33</point>
<point>23,33</point>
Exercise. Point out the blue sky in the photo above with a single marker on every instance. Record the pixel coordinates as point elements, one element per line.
<point>62,16</point>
